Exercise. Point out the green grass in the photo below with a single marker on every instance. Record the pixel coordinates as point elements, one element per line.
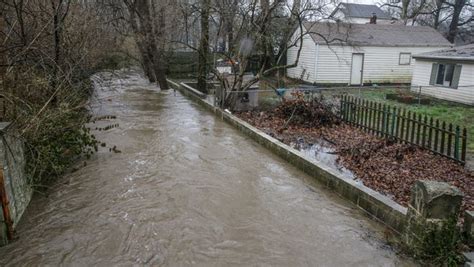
<point>457,114</point>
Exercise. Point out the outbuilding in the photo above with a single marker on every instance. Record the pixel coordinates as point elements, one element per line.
<point>446,74</point>
<point>357,54</point>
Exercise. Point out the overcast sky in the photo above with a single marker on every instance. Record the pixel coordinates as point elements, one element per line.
<point>361,1</point>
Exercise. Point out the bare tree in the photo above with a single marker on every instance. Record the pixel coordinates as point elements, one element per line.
<point>203,50</point>
<point>456,21</point>
<point>260,29</point>
<point>142,17</point>
<point>48,51</point>
<point>445,15</point>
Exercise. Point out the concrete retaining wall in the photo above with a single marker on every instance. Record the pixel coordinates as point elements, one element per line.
<point>16,184</point>
<point>378,206</point>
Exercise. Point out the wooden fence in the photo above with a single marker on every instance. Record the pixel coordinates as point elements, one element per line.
<point>406,127</point>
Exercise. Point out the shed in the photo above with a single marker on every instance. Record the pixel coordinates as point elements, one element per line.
<point>356,54</point>
<point>446,74</point>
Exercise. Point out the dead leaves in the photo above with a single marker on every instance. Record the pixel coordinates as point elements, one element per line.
<point>381,164</point>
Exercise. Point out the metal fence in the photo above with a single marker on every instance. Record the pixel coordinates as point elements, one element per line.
<point>358,110</point>
<point>266,99</point>
<point>405,126</point>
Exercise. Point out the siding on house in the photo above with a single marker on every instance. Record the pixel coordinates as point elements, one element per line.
<point>463,94</point>
<point>365,21</point>
<point>381,45</point>
<point>307,60</point>
<point>381,64</point>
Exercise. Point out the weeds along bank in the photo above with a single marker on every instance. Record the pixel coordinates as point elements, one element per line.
<point>51,121</point>
<point>48,51</point>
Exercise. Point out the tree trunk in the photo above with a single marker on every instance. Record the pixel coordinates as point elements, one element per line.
<point>152,52</point>
<point>58,20</point>
<point>203,50</point>
<point>453,26</point>
<point>437,13</point>
<point>3,65</point>
<point>404,14</point>
<point>147,63</point>
<point>230,35</point>
<point>266,61</point>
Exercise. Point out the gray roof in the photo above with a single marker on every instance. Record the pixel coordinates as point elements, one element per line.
<point>374,34</point>
<point>464,53</point>
<point>361,11</point>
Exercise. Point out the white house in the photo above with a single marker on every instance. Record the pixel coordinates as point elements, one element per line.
<point>341,53</point>
<point>446,74</point>
<point>360,14</point>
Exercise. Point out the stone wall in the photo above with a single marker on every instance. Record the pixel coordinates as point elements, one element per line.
<point>380,207</point>
<point>431,202</point>
<point>16,184</point>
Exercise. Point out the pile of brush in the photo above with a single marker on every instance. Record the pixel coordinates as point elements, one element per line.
<point>307,113</point>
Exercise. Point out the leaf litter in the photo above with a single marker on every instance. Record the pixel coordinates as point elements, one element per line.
<point>384,165</point>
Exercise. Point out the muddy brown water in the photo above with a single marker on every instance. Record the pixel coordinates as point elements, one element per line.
<point>188,189</point>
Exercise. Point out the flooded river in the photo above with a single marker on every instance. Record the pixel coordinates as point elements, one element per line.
<point>188,189</point>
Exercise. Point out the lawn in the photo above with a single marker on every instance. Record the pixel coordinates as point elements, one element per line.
<point>458,114</point>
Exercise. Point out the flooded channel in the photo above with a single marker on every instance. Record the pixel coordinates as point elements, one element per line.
<point>188,189</point>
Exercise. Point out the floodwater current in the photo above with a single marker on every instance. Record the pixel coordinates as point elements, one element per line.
<point>188,189</point>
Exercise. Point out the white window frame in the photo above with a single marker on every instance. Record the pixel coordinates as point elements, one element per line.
<point>400,58</point>
<point>444,75</point>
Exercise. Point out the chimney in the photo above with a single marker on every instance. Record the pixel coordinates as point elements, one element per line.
<point>373,19</point>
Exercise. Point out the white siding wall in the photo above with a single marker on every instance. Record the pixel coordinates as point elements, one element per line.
<point>463,94</point>
<point>380,63</point>
<point>367,20</point>
<point>342,17</point>
<point>307,59</point>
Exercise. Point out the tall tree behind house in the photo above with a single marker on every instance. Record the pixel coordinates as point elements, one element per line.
<point>448,16</point>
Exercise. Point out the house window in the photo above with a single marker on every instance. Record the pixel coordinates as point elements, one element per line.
<point>405,59</point>
<point>445,74</point>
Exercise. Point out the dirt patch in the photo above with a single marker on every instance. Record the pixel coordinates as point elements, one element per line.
<point>383,165</point>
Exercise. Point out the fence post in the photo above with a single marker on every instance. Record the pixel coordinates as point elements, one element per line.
<point>456,143</point>
<point>430,134</point>
<point>407,132</point>
<point>419,95</point>
<point>366,116</point>
<point>341,108</point>
<point>402,129</point>
<point>394,118</point>
<point>370,124</point>
<point>6,214</point>
<point>382,132</point>
<point>418,129</point>
<point>348,109</point>
<point>397,126</point>
<point>464,145</point>
<point>353,110</point>
<point>450,139</point>
<point>413,120</point>
<point>443,133</point>
<point>423,134</point>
